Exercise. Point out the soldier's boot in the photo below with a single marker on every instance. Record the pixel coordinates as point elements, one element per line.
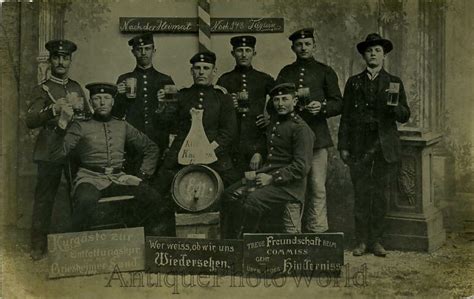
<point>360,249</point>
<point>379,250</point>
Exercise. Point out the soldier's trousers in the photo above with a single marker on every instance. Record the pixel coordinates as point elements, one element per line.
<point>244,211</point>
<point>371,178</point>
<point>145,209</point>
<point>47,184</point>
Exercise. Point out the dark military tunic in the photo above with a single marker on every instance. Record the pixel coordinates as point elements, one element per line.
<point>143,112</point>
<point>41,115</point>
<point>219,122</point>
<point>258,85</point>
<point>323,84</point>
<point>289,142</point>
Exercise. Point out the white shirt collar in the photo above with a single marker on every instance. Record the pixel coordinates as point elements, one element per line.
<point>372,73</point>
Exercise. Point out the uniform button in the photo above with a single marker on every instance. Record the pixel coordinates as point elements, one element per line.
<point>274,128</point>
<point>301,74</point>
<point>273,134</point>
<point>145,95</point>
<point>271,148</point>
<point>244,89</point>
<point>145,101</point>
<point>144,88</point>
<point>243,115</point>
<point>302,69</point>
<point>366,104</point>
<point>146,108</point>
<point>300,86</point>
<point>200,106</point>
<point>145,82</point>
<point>269,165</point>
<point>301,79</point>
<point>144,76</point>
<point>270,155</point>
<point>201,94</point>
<point>280,178</point>
<point>243,75</point>
<point>355,105</point>
<point>277,122</point>
<point>146,122</point>
<point>200,99</point>
<point>245,84</point>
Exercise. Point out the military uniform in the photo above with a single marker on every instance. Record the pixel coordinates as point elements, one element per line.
<point>257,84</point>
<point>145,112</point>
<point>100,147</point>
<point>219,123</point>
<point>323,86</point>
<point>368,131</point>
<point>289,142</point>
<point>41,115</point>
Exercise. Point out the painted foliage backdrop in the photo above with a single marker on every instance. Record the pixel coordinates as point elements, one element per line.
<point>339,25</point>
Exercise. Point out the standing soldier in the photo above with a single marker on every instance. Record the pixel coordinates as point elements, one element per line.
<point>218,120</point>
<point>139,94</point>
<point>319,98</point>
<point>249,89</point>
<point>374,101</point>
<point>48,99</point>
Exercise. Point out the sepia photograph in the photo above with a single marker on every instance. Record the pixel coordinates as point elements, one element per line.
<point>237,149</point>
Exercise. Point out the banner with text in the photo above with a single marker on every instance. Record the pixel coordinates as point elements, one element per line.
<point>290,254</point>
<point>190,25</point>
<point>93,252</point>
<point>193,256</point>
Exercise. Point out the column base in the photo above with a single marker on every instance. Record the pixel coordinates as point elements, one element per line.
<point>414,232</point>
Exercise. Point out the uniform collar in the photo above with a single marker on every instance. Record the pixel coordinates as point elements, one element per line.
<point>304,61</point>
<point>58,80</point>
<point>202,87</point>
<point>243,69</point>
<point>103,119</point>
<point>282,118</point>
<point>142,70</point>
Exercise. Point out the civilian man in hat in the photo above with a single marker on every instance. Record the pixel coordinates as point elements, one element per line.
<point>319,98</point>
<point>374,101</point>
<point>219,120</point>
<point>48,100</point>
<point>282,179</point>
<point>249,89</point>
<point>143,109</point>
<point>100,145</point>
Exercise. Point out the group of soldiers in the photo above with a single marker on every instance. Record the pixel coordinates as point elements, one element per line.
<point>125,139</point>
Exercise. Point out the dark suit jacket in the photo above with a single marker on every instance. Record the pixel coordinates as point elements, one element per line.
<point>354,116</point>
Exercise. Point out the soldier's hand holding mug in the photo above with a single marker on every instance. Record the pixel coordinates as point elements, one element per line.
<point>262,121</point>
<point>161,95</point>
<point>256,161</point>
<point>264,179</point>
<point>234,100</point>
<point>314,107</point>
<point>121,87</point>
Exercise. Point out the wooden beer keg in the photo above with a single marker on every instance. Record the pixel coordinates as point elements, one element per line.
<point>196,188</point>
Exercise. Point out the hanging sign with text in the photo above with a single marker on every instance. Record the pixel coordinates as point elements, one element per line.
<point>193,256</point>
<point>290,254</point>
<point>190,25</point>
<point>94,252</point>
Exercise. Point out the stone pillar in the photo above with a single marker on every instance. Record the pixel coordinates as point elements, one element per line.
<point>414,220</point>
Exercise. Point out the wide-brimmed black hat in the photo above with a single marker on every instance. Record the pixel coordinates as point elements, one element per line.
<point>374,39</point>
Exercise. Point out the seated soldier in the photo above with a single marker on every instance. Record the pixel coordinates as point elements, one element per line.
<point>100,145</point>
<point>282,179</point>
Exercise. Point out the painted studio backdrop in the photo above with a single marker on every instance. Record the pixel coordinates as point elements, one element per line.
<point>437,162</point>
